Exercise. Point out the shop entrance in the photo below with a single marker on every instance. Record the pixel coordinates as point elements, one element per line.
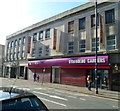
<point>103,78</point>
<point>55,74</point>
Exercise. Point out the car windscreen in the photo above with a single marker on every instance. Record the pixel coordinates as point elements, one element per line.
<point>23,104</point>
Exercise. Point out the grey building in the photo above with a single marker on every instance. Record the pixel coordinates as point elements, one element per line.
<point>2,50</point>
<point>68,34</point>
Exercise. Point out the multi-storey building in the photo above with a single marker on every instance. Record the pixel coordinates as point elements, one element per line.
<point>2,50</point>
<point>62,48</point>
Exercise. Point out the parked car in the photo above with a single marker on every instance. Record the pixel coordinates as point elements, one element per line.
<point>12,99</point>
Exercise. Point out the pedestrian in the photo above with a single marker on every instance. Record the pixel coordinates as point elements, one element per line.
<point>89,81</point>
<point>34,76</point>
<point>38,78</point>
<point>105,81</point>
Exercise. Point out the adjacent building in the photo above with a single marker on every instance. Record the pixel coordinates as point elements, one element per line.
<point>61,49</point>
<point>2,50</point>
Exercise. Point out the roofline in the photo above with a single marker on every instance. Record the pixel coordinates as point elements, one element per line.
<point>54,18</point>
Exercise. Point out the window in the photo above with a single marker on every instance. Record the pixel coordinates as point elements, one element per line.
<point>23,54</point>
<point>82,46</point>
<point>110,16</point>
<point>15,43</point>
<point>47,35</point>
<point>82,23</point>
<point>23,40</point>
<point>47,50</point>
<point>111,44</point>
<point>14,55</point>
<point>12,44</point>
<point>71,27</point>
<point>19,41</point>
<point>33,52</point>
<point>70,47</point>
<point>9,45</point>
<point>40,51</point>
<point>18,55</point>
<point>11,56</point>
<point>93,20</point>
<point>94,44</point>
<point>34,37</point>
<point>41,35</point>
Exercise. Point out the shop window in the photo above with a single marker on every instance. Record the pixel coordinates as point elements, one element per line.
<point>82,23</point>
<point>70,47</point>
<point>110,16</point>
<point>111,44</point>
<point>71,27</point>
<point>94,44</point>
<point>82,46</point>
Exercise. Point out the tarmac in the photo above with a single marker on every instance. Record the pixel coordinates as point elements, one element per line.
<point>104,93</point>
<point>84,90</point>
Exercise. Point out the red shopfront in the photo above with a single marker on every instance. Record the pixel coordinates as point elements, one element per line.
<point>72,71</point>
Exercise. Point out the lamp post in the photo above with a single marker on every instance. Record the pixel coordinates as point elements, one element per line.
<point>43,76</point>
<point>96,54</point>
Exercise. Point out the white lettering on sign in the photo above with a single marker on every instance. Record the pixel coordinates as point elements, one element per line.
<point>77,61</point>
<point>99,60</point>
<point>93,60</point>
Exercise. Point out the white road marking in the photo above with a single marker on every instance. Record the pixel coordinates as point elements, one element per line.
<point>115,106</point>
<point>26,89</point>
<point>83,99</point>
<point>52,96</point>
<point>40,88</point>
<point>72,97</point>
<point>52,101</point>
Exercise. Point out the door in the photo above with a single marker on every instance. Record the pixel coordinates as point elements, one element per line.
<point>55,74</point>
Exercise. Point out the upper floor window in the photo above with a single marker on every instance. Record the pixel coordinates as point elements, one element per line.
<point>18,55</point>
<point>33,52</point>
<point>15,43</point>
<point>12,44</point>
<point>82,46</point>
<point>94,44</point>
<point>71,27</point>
<point>111,44</point>
<point>23,40</point>
<point>70,47</point>
<point>15,55</point>
<point>93,21</point>
<point>41,35</point>
<point>40,51</point>
<point>8,44</point>
<point>35,37</point>
<point>47,34</point>
<point>19,43</point>
<point>23,54</point>
<point>82,23</point>
<point>110,16</point>
<point>47,50</point>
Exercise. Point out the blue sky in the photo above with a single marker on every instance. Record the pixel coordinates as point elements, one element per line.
<point>18,14</point>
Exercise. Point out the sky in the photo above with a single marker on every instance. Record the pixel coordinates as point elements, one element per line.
<point>18,14</point>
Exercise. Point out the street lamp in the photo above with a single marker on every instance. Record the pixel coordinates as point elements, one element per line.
<point>96,64</point>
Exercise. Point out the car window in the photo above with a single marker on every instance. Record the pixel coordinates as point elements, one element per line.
<point>28,103</point>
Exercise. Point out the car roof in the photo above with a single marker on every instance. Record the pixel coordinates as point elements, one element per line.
<point>12,93</point>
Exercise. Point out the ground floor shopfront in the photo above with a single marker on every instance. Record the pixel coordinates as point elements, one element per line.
<point>72,70</point>
<point>16,69</point>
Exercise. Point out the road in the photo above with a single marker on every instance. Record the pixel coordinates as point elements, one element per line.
<point>62,99</point>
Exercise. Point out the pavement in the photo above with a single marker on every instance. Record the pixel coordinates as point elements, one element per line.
<point>84,90</point>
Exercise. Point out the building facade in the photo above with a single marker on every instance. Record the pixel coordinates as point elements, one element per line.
<point>2,50</point>
<point>68,36</point>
